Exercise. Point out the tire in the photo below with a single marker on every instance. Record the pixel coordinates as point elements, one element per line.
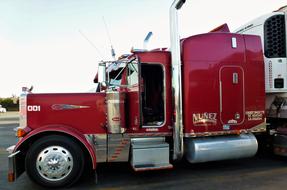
<point>55,161</point>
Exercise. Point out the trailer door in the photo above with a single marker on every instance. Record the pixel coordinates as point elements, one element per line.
<point>232,103</point>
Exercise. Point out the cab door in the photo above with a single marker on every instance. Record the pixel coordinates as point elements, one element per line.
<point>118,144</point>
<point>134,96</point>
<point>232,103</point>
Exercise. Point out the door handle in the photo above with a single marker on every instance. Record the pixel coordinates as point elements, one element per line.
<point>235,78</point>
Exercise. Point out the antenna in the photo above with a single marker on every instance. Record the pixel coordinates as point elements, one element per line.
<point>91,43</point>
<point>108,34</point>
<point>147,39</point>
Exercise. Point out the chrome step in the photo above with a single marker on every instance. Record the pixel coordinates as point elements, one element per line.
<point>150,154</point>
<point>142,168</point>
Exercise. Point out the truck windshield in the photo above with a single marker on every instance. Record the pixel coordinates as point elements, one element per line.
<point>122,72</point>
<point>116,77</point>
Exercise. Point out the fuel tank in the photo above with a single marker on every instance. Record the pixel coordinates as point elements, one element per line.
<point>220,148</point>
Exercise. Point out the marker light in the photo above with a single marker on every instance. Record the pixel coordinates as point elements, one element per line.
<point>21,133</point>
<point>11,177</point>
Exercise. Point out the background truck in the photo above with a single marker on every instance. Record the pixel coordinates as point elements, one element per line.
<point>272,30</point>
<point>203,99</point>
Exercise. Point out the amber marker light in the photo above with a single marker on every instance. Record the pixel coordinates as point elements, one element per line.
<point>21,132</point>
<point>11,177</point>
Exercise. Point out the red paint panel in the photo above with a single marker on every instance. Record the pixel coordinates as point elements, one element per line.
<point>133,112</point>
<point>255,80</point>
<point>203,57</point>
<point>232,95</point>
<point>214,47</point>
<point>86,112</point>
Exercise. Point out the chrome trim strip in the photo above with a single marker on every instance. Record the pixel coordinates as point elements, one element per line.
<point>23,109</point>
<point>257,129</point>
<point>99,144</point>
<point>118,147</point>
<point>220,95</point>
<point>148,140</point>
<point>215,133</point>
<point>164,134</point>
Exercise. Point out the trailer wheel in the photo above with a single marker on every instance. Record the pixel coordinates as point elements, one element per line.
<point>55,161</point>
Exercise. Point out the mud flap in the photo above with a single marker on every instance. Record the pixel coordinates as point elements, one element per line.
<point>280,145</point>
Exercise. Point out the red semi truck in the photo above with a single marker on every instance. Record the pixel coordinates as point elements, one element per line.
<point>202,99</point>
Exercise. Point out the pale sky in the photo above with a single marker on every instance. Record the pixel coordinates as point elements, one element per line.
<point>40,42</point>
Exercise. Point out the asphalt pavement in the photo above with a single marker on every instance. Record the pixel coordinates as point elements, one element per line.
<point>262,172</point>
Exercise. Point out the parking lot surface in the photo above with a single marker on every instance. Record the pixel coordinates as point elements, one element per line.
<point>264,172</point>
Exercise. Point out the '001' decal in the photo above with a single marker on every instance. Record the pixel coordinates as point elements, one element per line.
<point>33,108</point>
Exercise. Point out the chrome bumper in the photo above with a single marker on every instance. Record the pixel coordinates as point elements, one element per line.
<point>13,171</point>
<point>10,149</point>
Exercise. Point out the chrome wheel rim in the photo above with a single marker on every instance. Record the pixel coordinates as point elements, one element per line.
<point>54,163</point>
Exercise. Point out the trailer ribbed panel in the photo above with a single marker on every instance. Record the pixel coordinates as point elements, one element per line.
<point>274,34</point>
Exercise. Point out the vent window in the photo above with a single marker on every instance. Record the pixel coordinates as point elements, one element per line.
<point>274,37</point>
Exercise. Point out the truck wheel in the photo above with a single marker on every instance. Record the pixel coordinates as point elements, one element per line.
<point>55,161</point>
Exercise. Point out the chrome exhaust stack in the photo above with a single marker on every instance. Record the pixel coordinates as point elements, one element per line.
<point>176,79</point>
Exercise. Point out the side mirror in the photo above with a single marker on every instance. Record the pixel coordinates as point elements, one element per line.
<point>102,74</point>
